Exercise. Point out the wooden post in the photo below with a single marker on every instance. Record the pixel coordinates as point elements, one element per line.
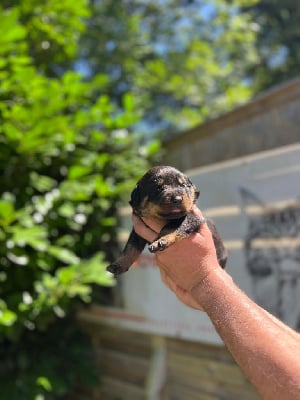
<point>157,374</point>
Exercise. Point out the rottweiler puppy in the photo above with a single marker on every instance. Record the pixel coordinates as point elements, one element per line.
<point>166,195</point>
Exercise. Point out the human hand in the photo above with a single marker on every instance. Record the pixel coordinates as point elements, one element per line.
<point>183,295</point>
<point>185,264</point>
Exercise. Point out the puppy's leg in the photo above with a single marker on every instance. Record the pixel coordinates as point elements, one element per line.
<point>133,248</point>
<point>221,251</point>
<point>176,230</point>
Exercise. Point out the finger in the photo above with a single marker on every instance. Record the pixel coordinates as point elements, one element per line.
<point>197,211</point>
<point>180,293</point>
<point>154,225</point>
<point>142,229</point>
<point>170,283</point>
<point>167,280</point>
<point>203,227</point>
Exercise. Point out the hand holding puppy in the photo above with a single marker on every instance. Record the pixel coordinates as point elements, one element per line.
<point>182,273</point>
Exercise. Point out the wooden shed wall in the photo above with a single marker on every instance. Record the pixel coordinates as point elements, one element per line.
<point>193,371</point>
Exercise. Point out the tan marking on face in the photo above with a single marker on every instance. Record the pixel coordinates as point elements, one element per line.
<point>180,180</point>
<point>151,210</point>
<point>155,211</point>
<point>187,203</point>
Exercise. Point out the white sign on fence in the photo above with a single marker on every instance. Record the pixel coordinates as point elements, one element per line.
<point>254,202</point>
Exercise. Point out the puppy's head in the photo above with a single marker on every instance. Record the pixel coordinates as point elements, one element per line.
<point>163,193</point>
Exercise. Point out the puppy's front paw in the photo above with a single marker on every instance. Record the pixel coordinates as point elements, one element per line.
<point>116,268</point>
<point>158,245</point>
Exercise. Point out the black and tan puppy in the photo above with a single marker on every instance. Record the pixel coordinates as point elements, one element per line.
<point>166,195</point>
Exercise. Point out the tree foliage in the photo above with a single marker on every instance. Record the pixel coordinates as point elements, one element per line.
<point>185,61</point>
<point>67,99</point>
<point>64,162</point>
<point>277,43</point>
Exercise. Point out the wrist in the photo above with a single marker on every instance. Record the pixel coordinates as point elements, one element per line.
<point>209,291</point>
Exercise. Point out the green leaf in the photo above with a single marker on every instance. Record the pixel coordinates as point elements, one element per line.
<point>19,259</point>
<point>11,131</point>
<point>44,382</point>
<point>78,171</point>
<point>153,147</point>
<point>81,290</point>
<point>41,182</point>
<point>108,221</point>
<point>7,213</point>
<point>103,189</point>
<point>35,236</point>
<point>64,255</point>
<point>67,210</point>
<point>66,275</point>
<point>94,271</point>
<point>7,317</point>
<point>10,29</point>
<point>77,191</point>
<point>128,102</point>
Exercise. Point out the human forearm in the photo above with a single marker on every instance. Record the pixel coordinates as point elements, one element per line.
<point>267,351</point>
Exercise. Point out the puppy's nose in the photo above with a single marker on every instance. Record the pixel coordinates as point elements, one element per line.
<point>177,199</point>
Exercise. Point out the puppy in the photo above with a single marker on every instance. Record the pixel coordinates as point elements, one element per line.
<point>166,195</point>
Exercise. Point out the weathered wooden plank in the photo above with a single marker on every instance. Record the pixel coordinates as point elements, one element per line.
<point>222,391</point>
<point>126,367</point>
<point>112,389</point>
<point>197,349</point>
<point>194,371</point>
<point>205,368</point>
<point>122,340</point>
<point>218,378</point>
<point>181,392</point>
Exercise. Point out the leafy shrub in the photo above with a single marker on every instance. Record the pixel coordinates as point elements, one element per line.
<point>46,366</point>
<point>66,159</point>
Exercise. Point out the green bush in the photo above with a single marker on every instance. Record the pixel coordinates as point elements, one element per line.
<point>66,159</point>
<point>46,366</point>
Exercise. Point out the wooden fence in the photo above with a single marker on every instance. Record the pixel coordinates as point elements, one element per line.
<point>135,366</point>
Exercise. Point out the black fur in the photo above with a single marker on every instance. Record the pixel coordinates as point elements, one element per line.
<point>167,195</point>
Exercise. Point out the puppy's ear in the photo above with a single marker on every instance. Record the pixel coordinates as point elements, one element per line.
<point>196,191</point>
<point>135,197</point>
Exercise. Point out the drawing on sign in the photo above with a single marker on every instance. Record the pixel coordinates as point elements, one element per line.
<point>272,251</point>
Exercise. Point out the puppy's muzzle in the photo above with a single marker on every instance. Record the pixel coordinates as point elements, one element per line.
<point>177,199</point>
